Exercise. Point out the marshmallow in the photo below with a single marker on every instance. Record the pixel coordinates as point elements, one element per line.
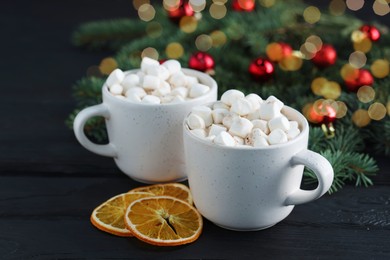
<point>239,140</point>
<point>132,97</point>
<point>163,90</point>
<point>241,106</point>
<point>254,115</point>
<point>219,114</point>
<point>216,129</point>
<point>147,63</point>
<point>151,82</point>
<point>280,122</point>
<point>198,90</point>
<point>178,79</point>
<point>195,122</point>
<point>220,104</point>
<point>150,99</point>
<point>230,95</point>
<point>269,111</point>
<point>130,81</point>
<point>141,76</point>
<point>261,124</point>
<point>293,132</point>
<point>140,92</point>
<point>277,136</point>
<point>178,99</point>
<point>191,80</point>
<point>201,133</point>
<point>180,91</point>
<point>255,100</point>
<point>241,127</point>
<point>115,77</point>
<point>228,119</point>
<point>261,142</point>
<point>224,138</point>
<point>159,71</point>
<point>294,124</point>
<point>166,99</point>
<point>210,138</point>
<point>254,135</point>
<point>205,113</point>
<point>172,66</point>
<point>273,99</point>
<point>116,89</point>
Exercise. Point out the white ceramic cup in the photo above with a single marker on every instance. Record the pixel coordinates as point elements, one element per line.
<point>145,140</point>
<point>253,188</point>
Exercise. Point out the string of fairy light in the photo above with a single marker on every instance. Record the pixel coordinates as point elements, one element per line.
<point>326,89</point>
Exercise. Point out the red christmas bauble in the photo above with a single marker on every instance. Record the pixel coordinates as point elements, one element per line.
<point>261,69</point>
<point>201,61</point>
<point>286,49</point>
<point>325,57</point>
<point>243,5</point>
<point>316,118</point>
<point>183,8</point>
<point>364,78</point>
<point>371,32</point>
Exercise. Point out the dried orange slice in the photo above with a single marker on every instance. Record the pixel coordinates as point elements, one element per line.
<point>109,216</point>
<point>163,221</point>
<point>176,190</point>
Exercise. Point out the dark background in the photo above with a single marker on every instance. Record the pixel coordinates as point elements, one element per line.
<point>49,184</point>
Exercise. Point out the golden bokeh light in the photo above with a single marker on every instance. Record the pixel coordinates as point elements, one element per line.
<point>138,3</point>
<point>317,84</point>
<point>174,50</point>
<point>380,68</point>
<point>354,5</point>
<point>274,51</point>
<point>146,12</point>
<point>198,5</point>
<point>358,36</point>
<point>331,90</point>
<point>348,72</point>
<point>381,7</point>
<point>364,45</point>
<point>267,3</point>
<point>388,107</point>
<point>203,42</point>
<point>377,111</point>
<point>337,7</point>
<point>150,53</point>
<point>312,14</point>
<point>306,51</point>
<point>291,63</point>
<point>361,118</point>
<point>218,38</point>
<point>365,94</point>
<point>220,1</point>
<point>170,5</point>
<point>107,65</point>
<point>357,59</point>
<point>218,10</point>
<point>315,40</point>
<point>341,110</point>
<point>188,24</point>
<point>154,30</point>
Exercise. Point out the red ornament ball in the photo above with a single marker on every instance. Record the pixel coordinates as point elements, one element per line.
<point>325,57</point>
<point>261,69</point>
<point>363,78</point>
<point>243,5</point>
<point>183,8</point>
<point>314,117</point>
<point>371,32</point>
<point>201,61</point>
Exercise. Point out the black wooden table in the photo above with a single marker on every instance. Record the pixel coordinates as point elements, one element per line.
<point>49,184</point>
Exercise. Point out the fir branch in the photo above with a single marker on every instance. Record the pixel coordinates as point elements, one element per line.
<point>87,91</point>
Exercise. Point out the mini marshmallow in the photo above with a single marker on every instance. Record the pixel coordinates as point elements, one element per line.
<point>239,140</point>
<point>150,99</point>
<point>278,136</point>
<point>166,99</point>
<point>115,77</point>
<point>191,80</point>
<point>198,90</point>
<point>178,99</point>
<point>205,113</point>
<point>140,92</point>
<point>219,114</point>
<point>216,129</point>
<point>132,97</point>
<point>261,124</point>
<point>210,138</point>
<point>273,99</point>
<point>180,91</point>
<point>159,71</point>
<point>241,106</point>
<point>280,122</point>
<point>172,66</point>
<point>195,122</point>
<point>241,127</point>
<point>151,82</point>
<point>254,115</point>
<point>228,119</point>
<point>116,89</point>
<point>130,81</point>
<point>220,104</point>
<point>224,138</point>
<point>147,63</point>
<point>230,95</point>
<point>254,135</point>
<point>293,132</point>
<point>269,111</point>
<point>255,100</point>
<point>201,133</point>
<point>163,90</point>
<point>294,124</point>
<point>261,142</point>
<point>178,79</point>
<point>141,77</point>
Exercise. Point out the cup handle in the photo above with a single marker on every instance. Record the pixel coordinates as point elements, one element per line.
<point>322,169</point>
<point>78,128</point>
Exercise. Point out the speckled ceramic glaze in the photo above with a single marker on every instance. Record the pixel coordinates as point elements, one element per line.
<point>145,140</point>
<point>253,188</point>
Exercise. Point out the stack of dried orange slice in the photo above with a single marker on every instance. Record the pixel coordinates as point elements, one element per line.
<point>160,214</point>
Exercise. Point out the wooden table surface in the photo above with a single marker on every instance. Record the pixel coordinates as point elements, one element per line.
<point>49,184</point>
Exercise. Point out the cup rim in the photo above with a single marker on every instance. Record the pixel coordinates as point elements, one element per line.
<point>196,73</point>
<point>303,124</point>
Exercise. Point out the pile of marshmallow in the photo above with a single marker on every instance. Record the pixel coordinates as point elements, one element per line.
<point>243,121</point>
<point>155,84</point>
